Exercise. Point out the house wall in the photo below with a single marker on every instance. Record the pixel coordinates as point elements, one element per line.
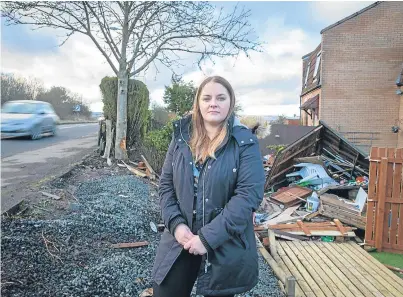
<point>305,118</point>
<point>361,58</point>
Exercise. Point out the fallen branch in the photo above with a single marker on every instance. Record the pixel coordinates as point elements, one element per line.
<point>129,244</point>
<point>55,197</point>
<point>46,241</point>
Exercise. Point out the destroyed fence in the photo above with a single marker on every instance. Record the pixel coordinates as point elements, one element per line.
<point>384,228</point>
<point>322,141</point>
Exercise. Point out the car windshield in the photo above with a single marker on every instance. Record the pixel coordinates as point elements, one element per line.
<point>19,107</point>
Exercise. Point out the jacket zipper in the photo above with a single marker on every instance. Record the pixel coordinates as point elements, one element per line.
<point>204,177</point>
<point>204,222</point>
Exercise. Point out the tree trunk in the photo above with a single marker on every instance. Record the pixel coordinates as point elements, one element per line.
<point>109,136</point>
<point>121,117</point>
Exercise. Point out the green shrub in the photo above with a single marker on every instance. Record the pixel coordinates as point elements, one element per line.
<point>137,108</point>
<point>156,145</point>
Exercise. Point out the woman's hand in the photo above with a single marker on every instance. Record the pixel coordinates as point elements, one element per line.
<point>183,234</point>
<point>195,246</point>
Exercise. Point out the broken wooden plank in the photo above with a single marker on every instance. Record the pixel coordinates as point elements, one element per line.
<point>304,228</point>
<point>129,244</point>
<point>134,170</point>
<point>340,226</point>
<point>284,216</point>
<point>55,197</point>
<point>152,174</point>
<point>292,195</point>
<point>311,216</point>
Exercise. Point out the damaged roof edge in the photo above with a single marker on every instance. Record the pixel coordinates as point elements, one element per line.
<point>351,16</point>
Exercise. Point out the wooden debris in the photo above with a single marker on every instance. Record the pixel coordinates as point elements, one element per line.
<point>332,207</point>
<point>397,269</point>
<point>134,170</point>
<point>311,216</point>
<point>291,196</point>
<point>55,197</point>
<point>147,293</point>
<point>152,175</point>
<point>129,244</point>
<point>315,229</point>
<point>285,216</point>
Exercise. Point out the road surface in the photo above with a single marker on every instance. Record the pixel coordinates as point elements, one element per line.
<point>14,146</point>
<point>27,164</point>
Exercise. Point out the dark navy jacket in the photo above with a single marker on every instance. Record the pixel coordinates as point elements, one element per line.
<point>230,188</point>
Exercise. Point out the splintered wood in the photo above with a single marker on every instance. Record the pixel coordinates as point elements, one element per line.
<point>333,269</point>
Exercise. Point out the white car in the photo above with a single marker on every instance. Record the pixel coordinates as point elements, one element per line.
<point>28,118</point>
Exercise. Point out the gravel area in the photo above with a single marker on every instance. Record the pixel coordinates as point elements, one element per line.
<point>70,254</point>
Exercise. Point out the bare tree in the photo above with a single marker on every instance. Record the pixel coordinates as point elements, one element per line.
<point>132,36</point>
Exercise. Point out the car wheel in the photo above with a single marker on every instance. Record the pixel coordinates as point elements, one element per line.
<point>54,130</point>
<point>36,132</point>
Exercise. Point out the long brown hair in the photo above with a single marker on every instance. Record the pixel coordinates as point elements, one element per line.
<point>201,145</point>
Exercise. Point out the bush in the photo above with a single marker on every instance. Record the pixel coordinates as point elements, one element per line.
<point>156,145</point>
<point>137,108</point>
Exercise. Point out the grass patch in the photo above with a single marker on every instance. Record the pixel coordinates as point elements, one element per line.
<point>395,260</point>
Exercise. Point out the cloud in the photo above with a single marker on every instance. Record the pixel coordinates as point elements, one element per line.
<point>77,65</point>
<point>331,12</point>
<point>267,82</point>
<point>261,81</point>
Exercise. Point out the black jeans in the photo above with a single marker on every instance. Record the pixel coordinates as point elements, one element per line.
<point>181,278</point>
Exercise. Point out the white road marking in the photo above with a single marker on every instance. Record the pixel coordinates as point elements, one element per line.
<point>61,127</point>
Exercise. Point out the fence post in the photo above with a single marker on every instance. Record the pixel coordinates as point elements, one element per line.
<point>290,286</point>
<point>380,209</point>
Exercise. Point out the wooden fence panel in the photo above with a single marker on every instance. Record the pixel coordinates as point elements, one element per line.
<point>384,227</point>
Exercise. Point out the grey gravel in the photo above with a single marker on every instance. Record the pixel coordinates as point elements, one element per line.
<point>78,259</point>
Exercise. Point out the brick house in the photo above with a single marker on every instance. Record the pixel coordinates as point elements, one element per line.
<point>349,80</point>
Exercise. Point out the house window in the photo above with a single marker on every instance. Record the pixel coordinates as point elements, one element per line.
<point>315,73</point>
<point>306,75</point>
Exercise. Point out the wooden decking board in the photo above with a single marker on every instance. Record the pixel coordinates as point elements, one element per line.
<point>323,273</point>
<point>346,271</point>
<point>294,270</point>
<point>388,275</point>
<point>329,263</point>
<point>363,271</point>
<point>378,278</point>
<point>331,271</point>
<point>352,270</point>
<point>311,270</point>
<point>303,271</point>
<point>280,262</point>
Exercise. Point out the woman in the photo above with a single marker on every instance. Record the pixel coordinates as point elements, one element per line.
<point>211,182</point>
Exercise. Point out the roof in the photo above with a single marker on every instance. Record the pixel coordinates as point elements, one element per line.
<point>28,101</point>
<point>351,16</point>
<point>311,83</point>
<point>321,140</point>
<point>311,103</point>
<point>286,134</point>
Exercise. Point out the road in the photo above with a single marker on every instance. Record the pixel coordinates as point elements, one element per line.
<point>27,164</point>
<point>14,146</point>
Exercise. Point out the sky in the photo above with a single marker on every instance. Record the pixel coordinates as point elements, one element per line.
<point>266,83</point>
